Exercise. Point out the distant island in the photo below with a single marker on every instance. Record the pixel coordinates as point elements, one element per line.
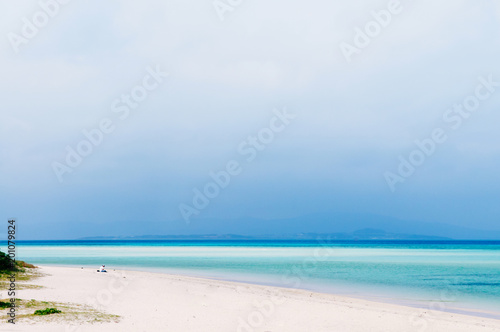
<point>362,234</point>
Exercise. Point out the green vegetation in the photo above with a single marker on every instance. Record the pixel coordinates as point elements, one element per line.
<point>23,264</point>
<point>34,311</point>
<point>4,305</point>
<point>47,311</point>
<point>21,271</point>
<point>6,263</point>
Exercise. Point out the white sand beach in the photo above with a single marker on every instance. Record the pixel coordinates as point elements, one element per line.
<point>160,302</point>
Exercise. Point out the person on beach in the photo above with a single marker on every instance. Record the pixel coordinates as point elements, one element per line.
<point>102,269</point>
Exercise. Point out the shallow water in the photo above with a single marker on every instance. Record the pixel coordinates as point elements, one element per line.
<point>455,275</point>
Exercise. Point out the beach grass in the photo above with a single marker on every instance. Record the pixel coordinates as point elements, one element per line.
<point>34,311</point>
<point>23,273</point>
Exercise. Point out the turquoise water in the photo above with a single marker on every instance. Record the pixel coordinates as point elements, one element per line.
<point>458,275</point>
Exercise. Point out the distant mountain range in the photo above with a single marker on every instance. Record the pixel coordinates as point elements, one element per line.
<point>363,234</point>
<point>340,226</point>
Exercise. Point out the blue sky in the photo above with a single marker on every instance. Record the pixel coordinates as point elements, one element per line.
<point>352,120</point>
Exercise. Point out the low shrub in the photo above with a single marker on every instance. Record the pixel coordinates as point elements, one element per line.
<point>6,263</point>
<point>4,305</point>
<point>24,264</point>
<point>47,311</point>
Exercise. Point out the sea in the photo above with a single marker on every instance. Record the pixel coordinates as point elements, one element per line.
<point>454,276</point>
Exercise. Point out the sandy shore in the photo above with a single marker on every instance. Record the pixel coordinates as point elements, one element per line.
<point>160,302</point>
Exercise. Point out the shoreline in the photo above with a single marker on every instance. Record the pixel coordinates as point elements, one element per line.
<point>158,301</point>
<point>383,297</point>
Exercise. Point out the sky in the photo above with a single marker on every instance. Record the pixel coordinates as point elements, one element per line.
<point>132,117</point>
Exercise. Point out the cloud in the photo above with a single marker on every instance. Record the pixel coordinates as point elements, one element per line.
<point>226,77</point>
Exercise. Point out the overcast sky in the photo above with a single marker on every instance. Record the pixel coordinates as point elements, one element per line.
<point>345,119</point>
